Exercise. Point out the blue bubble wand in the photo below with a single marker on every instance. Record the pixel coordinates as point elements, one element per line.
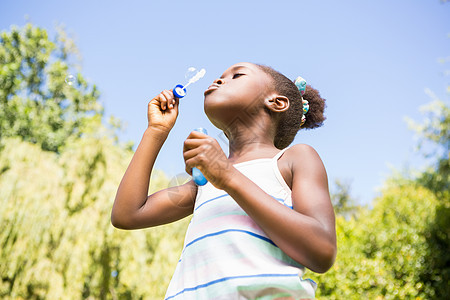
<point>180,91</point>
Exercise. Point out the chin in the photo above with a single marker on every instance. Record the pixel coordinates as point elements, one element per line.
<point>213,113</point>
<point>222,111</point>
<point>220,117</point>
<point>213,106</point>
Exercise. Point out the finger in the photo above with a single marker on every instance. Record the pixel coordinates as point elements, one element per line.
<point>189,144</point>
<point>192,153</point>
<point>155,100</point>
<point>194,162</point>
<point>176,102</point>
<point>189,160</point>
<point>169,97</point>
<point>188,167</point>
<point>162,100</point>
<point>155,103</point>
<point>197,134</point>
<point>195,138</point>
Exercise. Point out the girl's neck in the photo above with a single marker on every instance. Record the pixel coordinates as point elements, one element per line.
<point>250,144</point>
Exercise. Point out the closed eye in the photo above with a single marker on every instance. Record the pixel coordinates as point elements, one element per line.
<point>237,75</point>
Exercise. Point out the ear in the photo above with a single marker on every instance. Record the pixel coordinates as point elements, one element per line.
<point>277,103</point>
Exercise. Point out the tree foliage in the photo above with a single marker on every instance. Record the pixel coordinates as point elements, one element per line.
<point>399,248</point>
<point>59,171</point>
<point>36,103</point>
<point>343,203</point>
<point>57,240</point>
<point>382,250</point>
<point>436,131</point>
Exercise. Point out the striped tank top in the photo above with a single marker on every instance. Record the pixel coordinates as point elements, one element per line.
<point>226,255</point>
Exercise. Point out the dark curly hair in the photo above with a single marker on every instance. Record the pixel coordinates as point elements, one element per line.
<point>290,120</point>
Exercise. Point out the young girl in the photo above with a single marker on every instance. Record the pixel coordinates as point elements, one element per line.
<point>265,215</point>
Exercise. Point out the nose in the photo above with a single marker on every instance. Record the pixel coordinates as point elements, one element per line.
<point>219,81</point>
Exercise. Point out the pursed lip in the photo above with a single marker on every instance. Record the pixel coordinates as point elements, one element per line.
<point>211,88</point>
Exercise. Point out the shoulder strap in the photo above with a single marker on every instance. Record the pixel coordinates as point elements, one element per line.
<point>276,157</point>
<point>277,172</point>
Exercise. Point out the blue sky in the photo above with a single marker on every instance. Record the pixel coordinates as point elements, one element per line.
<point>371,60</point>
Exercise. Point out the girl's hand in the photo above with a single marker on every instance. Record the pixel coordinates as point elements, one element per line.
<point>204,153</point>
<point>163,111</point>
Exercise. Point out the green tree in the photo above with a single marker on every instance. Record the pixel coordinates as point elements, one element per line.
<point>434,141</point>
<point>382,250</point>
<point>399,248</point>
<point>343,203</point>
<point>435,133</point>
<point>57,240</point>
<point>59,171</point>
<point>36,102</point>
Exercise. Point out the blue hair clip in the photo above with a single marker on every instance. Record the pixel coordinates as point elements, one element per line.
<point>301,84</point>
<point>305,106</point>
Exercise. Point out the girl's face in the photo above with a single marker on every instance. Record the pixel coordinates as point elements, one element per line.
<point>240,91</point>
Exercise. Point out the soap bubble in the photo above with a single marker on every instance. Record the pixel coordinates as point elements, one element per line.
<point>192,75</point>
<point>114,273</point>
<point>191,71</point>
<point>70,79</point>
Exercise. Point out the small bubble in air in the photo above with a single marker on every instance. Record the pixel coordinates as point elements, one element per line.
<point>114,273</point>
<point>70,79</point>
<point>191,71</point>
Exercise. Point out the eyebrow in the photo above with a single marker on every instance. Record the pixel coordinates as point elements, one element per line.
<point>235,68</point>
<point>238,67</point>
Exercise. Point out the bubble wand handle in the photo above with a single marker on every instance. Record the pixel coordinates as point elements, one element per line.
<point>197,175</point>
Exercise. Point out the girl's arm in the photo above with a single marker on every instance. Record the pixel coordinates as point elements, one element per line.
<point>307,232</point>
<point>132,207</point>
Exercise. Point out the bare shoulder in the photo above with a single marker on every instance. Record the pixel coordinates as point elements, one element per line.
<point>301,149</point>
<point>305,161</point>
<point>310,194</point>
<point>298,159</point>
<point>301,153</point>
